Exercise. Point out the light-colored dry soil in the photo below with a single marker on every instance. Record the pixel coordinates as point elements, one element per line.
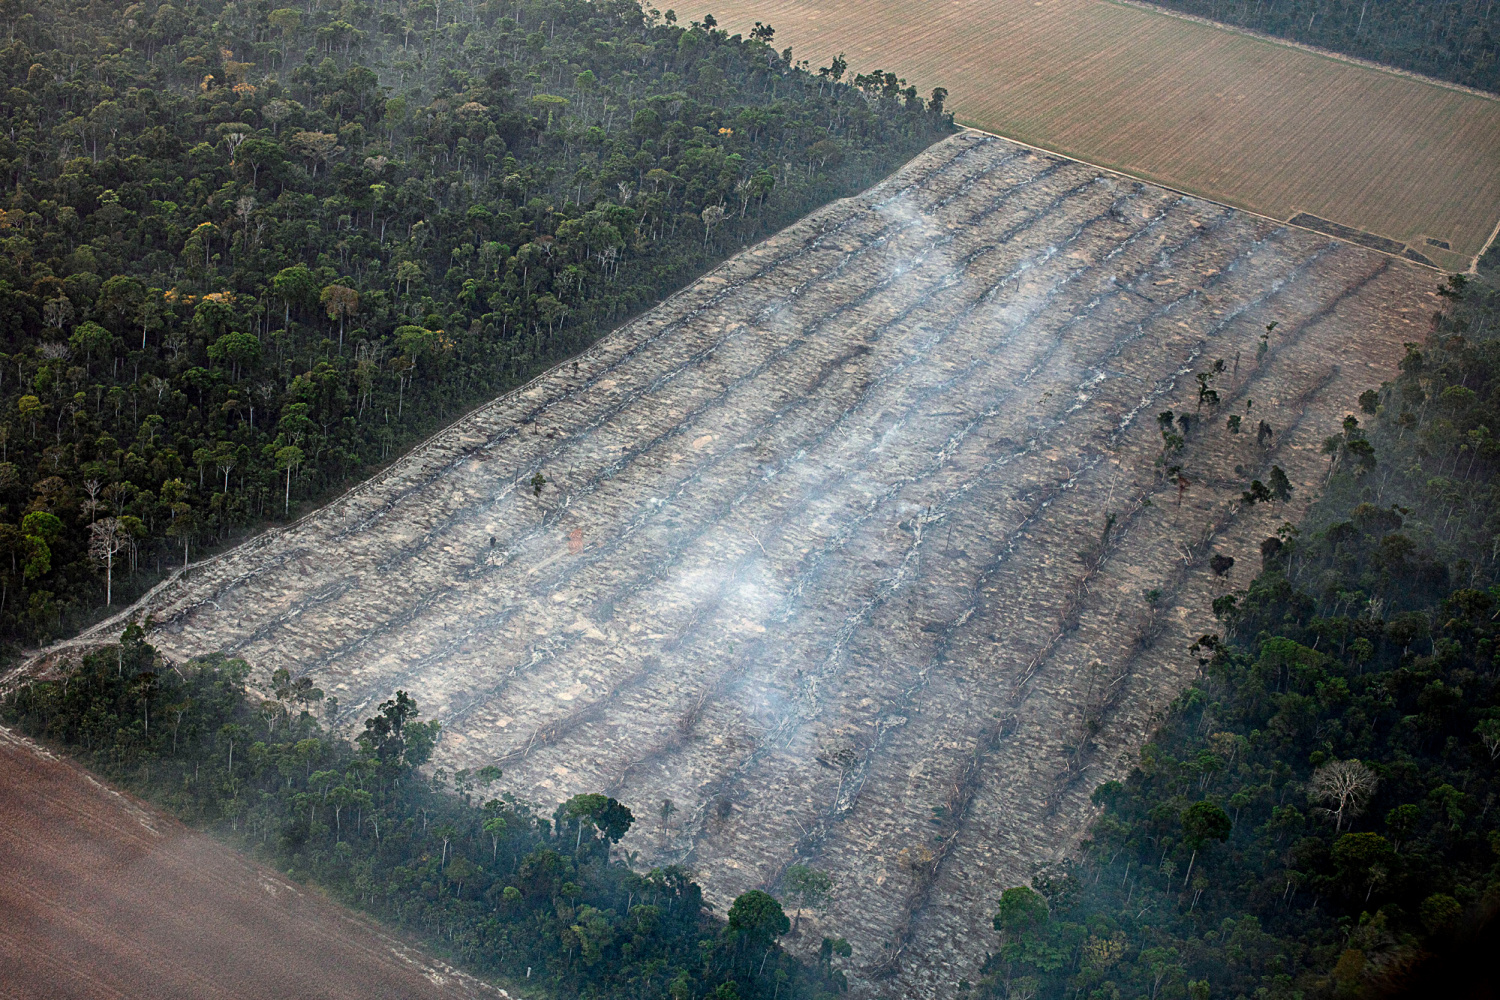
<point>1270,127</point>
<point>104,898</point>
<point>819,549</point>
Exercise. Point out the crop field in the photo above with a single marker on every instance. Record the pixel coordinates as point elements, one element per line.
<point>104,898</point>
<point>1268,127</point>
<point>820,550</point>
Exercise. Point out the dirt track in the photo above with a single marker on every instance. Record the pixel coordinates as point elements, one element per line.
<point>818,556</point>
<point>102,898</point>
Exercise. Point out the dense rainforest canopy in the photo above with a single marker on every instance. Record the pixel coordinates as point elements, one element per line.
<point>251,251</point>
<point>1456,40</point>
<point>1319,816</point>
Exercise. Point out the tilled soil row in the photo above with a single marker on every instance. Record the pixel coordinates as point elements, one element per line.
<point>821,556</point>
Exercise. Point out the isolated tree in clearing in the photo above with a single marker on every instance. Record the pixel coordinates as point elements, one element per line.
<point>810,887</point>
<point>756,920</point>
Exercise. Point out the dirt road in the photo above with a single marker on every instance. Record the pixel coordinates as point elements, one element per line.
<point>820,552</point>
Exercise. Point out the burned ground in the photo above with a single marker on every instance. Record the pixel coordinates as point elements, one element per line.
<point>104,897</point>
<point>821,552</point>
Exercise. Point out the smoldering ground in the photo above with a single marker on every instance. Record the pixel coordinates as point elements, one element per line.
<point>820,553</point>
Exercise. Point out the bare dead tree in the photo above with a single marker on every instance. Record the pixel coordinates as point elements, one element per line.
<point>92,503</point>
<point>1344,786</point>
<point>107,537</point>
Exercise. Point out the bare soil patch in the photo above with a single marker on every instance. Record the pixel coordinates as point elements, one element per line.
<point>820,551</point>
<point>1271,127</point>
<point>104,897</point>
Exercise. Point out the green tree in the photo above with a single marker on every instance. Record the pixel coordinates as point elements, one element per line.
<point>1030,940</point>
<point>90,338</point>
<point>1279,485</point>
<point>1441,913</point>
<point>286,20</point>
<point>294,286</point>
<point>30,409</point>
<point>496,827</point>
<point>1202,823</point>
<point>810,887</point>
<point>185,524</point>
<point>1363,861</point>
<point>240,351</point>
<point>341,302</point>
<point>756,920</point>
<point>120,300</point>
<point>1022,910</point>
<point>1488,731</point>
<point>39,532</point>
<point>595,813</point>
<point>258,155</point>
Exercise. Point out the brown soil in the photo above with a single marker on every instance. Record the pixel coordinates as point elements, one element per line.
<point>1245,120</point>
<point>102,897</point>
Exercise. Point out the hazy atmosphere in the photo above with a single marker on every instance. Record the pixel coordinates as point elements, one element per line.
<point>567,499</point>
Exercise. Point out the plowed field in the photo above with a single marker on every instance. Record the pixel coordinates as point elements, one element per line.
<point>103,898</point>
<point>820,555</point>
<point>1243,120</point>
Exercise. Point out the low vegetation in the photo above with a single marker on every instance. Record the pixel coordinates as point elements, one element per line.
<point>479,876</point>
<point>1317,815</point>
<point>251,253</point>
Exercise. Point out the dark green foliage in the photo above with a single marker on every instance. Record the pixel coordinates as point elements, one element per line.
<point>756,920</point>
<point>1022,911</point>
<point>480,877</point>
<point>1322,808</point>
<point>250,254</point>
<point>1203,822</point>
<point>1456,40</point>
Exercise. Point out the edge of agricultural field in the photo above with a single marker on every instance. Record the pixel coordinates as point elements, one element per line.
<point>1494,235</point>
<point>1146,178</point>
<point>99,809</point>
<point>1303,46</point>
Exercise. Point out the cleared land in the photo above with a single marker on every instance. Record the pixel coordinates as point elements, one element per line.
<point>819,555</point>
<point>1268,127</point>
<point>105,898</point>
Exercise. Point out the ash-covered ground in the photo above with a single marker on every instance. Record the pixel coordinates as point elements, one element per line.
<point>821,554</point>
